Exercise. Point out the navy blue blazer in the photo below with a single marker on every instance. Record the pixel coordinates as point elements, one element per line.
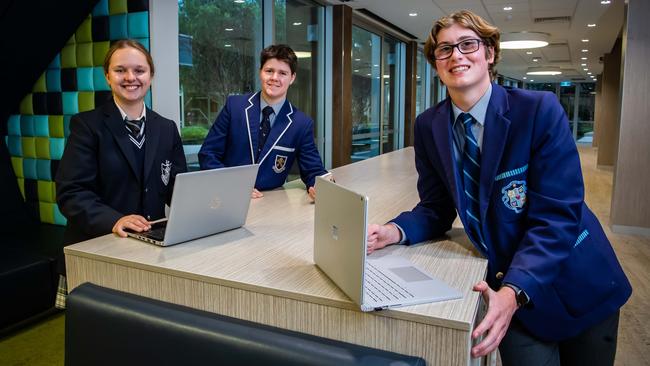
<point>537,229</point>
<point>99,181</point>
<point>232,141</point>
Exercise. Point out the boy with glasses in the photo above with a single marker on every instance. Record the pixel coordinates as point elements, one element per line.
<point>506,162</point>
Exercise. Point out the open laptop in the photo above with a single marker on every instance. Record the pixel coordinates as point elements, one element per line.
<point>204,203</point>
<point>374,282</point>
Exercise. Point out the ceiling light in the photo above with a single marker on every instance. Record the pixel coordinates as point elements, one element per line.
<point>297,23</point>
<point>585,40</point>
<point>227,45</point>
<point>529,52</point>
<point>523,40</point>
<point>531,80</point>
<point>413,14</point>
<point>585,50</point>
<point>605,2</point>
<point>544,70</point>
<point>588,73</point>
<point>356,70</point>
<point>583,58</point>
<point>507,8</point>
<point>303,54</point>
<point>369,74</point>
<point>386,76</point>
<point>229,29</point>
<point>357,59</point>
<point>586,69</point>
<point>583,64</point>
<point>591,25</point>
<point>536,59</point>
<point>239,1</point>
<point>525,78</point>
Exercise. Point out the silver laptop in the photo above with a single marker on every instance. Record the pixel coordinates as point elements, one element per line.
<point>374,282</point>
<point>204,203</point>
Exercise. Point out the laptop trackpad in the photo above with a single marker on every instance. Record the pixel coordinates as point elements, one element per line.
<point>409,274</point>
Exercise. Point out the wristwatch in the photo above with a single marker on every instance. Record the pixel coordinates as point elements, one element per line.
<point>520,295</point>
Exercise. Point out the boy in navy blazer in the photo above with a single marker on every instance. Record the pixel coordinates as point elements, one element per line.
<point>506,162</point>
<point>266,129</point>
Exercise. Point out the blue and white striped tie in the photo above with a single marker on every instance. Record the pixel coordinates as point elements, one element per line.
<point>471,179</point>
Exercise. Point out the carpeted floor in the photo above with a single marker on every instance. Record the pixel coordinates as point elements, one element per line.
<point>39,344</point>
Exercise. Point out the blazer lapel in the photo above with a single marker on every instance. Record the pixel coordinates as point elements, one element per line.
<point>494,140</point>
<point>280,126</point>
<point>442,135</point>
<point>113,120</point>
<point>252,113</point>
<point>152,134</point>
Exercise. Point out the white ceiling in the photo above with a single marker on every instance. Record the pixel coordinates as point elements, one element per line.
<point>565,50</point>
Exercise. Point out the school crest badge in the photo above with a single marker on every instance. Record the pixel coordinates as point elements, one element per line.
<point>514,195</point>
<point>280,163</point>
<point>165,171</point>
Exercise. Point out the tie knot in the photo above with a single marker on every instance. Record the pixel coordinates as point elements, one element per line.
<point>267,111</point>
<point>135,125</point>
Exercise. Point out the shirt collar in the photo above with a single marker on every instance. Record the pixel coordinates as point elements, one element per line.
<point>276,107</point>
<point>124,116</point>
<point>479,110</point>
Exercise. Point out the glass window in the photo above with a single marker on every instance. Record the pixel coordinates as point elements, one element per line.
<point>220,42</point>
<point>392,77</point>
<point>586,108</point>
<point>366,93</point>
<point>420,94</point>
<point>567,99</point>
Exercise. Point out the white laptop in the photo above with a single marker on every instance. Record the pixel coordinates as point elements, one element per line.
<point>204,203</point>
<point>374,282</point>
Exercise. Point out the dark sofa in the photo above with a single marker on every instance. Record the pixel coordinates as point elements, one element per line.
<point>108,327</point>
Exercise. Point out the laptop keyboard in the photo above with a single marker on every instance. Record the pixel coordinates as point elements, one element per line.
<point>380,287</point>
<point>156,234</point>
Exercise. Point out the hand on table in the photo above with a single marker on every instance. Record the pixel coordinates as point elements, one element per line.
<point>256,194</point>
<point>132,222</point>
<point>502,305</point>
<point>380,236</point>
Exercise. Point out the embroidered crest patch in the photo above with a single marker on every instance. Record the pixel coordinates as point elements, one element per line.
<point>514,195</point>
<point>280,163</point>
<point>165,170</point>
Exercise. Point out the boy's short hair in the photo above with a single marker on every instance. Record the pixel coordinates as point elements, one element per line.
<point>281,52</point>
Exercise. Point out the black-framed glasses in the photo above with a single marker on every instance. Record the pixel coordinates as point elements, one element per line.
<point>465,46</point>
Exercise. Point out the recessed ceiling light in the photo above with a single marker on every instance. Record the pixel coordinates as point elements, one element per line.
<point>583,64</point>
<point>357,59</point>
<point>375,65</point>
<point>239,1</point>
<point>297,23</point>
<point>525,78</point>
<point>523,40</point>
<point>356,70</point>
<point>535,59</point>
<point>585,50</point>
<point>507,8</point>
<point>591,25</point>
<point>585,40</point>
<point>529,52</point>
<point>544,70</point>
<point>413,14</point>
<point>531,80</point>
<point>227,45</point>
<point>387,76</point>
<point>583,58</point>
<point>586,69</point>
<point>605,2</point>
<point>588,73</point>
<point>369,74</point>
<point>229,29</point>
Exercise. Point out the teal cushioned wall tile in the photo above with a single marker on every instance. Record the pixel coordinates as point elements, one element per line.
<point>43,169</point>
<point>101,8</point>
<point>56,62</point>
<point>84,54</point>
<point>138,24</point>
<point>59,219</point>
<point>56,148</point>
<point>144,42</point>
<point>15,146</point>
<point>118,27</point>
<point>29,169</point>
<point>69,56</point>
<point>41,126</point>
<point>27,125</point>
<point>70,102</point>
<point>84,32</point>
<point>117,6</point>
<point>147,99</point>
<point>66,125</point>
<point>85,79</point>
<point>53,80</point>
<point>13,125</point>
<point>99,80</point>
